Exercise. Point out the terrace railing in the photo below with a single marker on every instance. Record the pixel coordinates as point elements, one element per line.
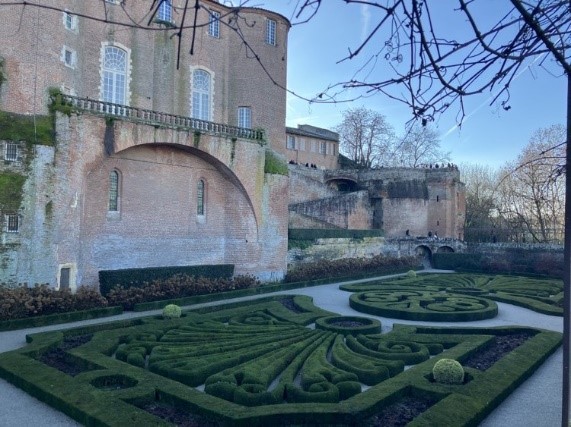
<point>154,118</point>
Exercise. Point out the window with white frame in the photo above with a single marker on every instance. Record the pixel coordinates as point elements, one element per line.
<point>245,117</point>
<point>68,57</point>
<point>200,198</point>
<point>214,24</point>
<point>164,12</point>
<point>69,21</point>
<point>271,32</point>
<point>114,191</point>
<point>201,90</point>
<point>114,75</point>
<point>11,152</point>
<point>323,148</point>
<point>12,223</point>
<point>290,142</point>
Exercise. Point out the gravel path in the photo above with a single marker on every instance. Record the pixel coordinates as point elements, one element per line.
<point>535,403</point>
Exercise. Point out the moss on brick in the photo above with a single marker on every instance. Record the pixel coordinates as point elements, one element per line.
<point>31,129</point>
<point>11,185</point>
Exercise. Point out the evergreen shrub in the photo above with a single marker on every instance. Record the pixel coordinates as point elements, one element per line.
<point>171,311</point>
<point>448,371</point>
<point>139,277</point>
<point>349,267</point>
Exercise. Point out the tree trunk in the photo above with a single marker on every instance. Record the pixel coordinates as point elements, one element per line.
<point>567,265</point>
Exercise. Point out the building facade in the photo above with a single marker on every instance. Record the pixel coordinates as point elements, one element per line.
<point>403,202</point>
<point>311,146</point>
<point>151,153</point>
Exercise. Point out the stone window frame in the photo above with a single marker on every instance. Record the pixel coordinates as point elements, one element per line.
<point>13,223</point>
<point>323,147</point>
<point>214,24</point>
<point>290,143</point>
<point>68,57</point>
<point>210,108</point>
<point>245,117</point>
<point>114,194</point>
<point>11,151</point>
<point>70,21</point>
<point>201,198</point>
<point>72,276</point>
<point>102,70</point>
<point>164,12</point>
<point>271,27</point>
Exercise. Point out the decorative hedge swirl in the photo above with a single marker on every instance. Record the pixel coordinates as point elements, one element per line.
<point>423,305</point>
<point>260,363</point>
<point>539,294</point>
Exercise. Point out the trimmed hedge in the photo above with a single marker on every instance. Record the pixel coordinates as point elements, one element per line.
<point>54,319</point>
<point>331,233</point>
<point>248,361</point>
<point>137,277</point>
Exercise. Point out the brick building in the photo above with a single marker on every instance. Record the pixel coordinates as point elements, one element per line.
<point>403,202</point>
<point>311,146</point>
<point>158,158</point>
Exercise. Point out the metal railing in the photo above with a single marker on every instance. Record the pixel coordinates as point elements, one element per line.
<point>154,118</point>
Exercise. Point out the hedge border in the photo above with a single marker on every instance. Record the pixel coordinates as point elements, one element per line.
<point>58,318</point>
<point>139,276</point>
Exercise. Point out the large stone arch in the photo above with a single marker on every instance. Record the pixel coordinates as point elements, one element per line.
<point>445,249</point>
<point>157,223</point>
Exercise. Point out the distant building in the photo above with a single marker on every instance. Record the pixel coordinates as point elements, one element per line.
<point>310,145</point>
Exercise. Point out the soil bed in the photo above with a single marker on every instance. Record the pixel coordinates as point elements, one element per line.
<point>502,345</point>
<point>290,305</point>
<point>57,357</point>
<point>178,417</point>
<point>400,413</point>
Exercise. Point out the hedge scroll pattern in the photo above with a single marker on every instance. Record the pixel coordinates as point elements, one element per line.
<point>262,363</point>
<point>543,295</point>
<point>423,305</point>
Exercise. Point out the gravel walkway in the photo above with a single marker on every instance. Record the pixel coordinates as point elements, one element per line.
<point>535,403</point>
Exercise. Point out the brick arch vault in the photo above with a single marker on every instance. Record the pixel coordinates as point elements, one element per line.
<point>157,221</point>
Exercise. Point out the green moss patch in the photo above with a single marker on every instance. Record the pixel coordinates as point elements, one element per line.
<point>32,129</point>
<point>257,364</point>
<point>11,191</point>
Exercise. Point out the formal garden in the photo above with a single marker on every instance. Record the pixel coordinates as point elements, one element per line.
<point>281,360</point>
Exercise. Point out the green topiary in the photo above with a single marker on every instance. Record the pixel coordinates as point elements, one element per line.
<point>171,311</point>
<point>448,371</point>
<point>411,273</point>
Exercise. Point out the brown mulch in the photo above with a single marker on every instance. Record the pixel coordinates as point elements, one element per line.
<point>502,345</point>
<point>57,357</point>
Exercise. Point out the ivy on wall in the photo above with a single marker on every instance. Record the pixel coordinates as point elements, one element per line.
<point>413,189</point>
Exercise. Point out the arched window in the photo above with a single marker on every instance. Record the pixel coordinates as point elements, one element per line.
<point>114,75</point>
<point>200,198</point>
<point>113,191</point>
<point>201,90</point>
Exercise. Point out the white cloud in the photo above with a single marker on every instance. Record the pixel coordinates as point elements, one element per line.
<point>365,21</point>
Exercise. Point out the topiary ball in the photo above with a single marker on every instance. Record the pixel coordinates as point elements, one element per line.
<point>411,273</point>
<point>448,371</point>
<point>171,311</point>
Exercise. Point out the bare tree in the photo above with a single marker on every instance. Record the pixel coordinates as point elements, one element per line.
<point>482,213</point>
<point>365,137</point>
<point>532,187</point>
<point>420,145</point>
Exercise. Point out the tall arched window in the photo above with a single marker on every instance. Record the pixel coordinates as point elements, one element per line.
<point>113,191</point>
<point>201,90</point>
<point>114,84</point>
<point>200,198</point>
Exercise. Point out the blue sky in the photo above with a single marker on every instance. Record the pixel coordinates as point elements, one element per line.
<point>489,135</point>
